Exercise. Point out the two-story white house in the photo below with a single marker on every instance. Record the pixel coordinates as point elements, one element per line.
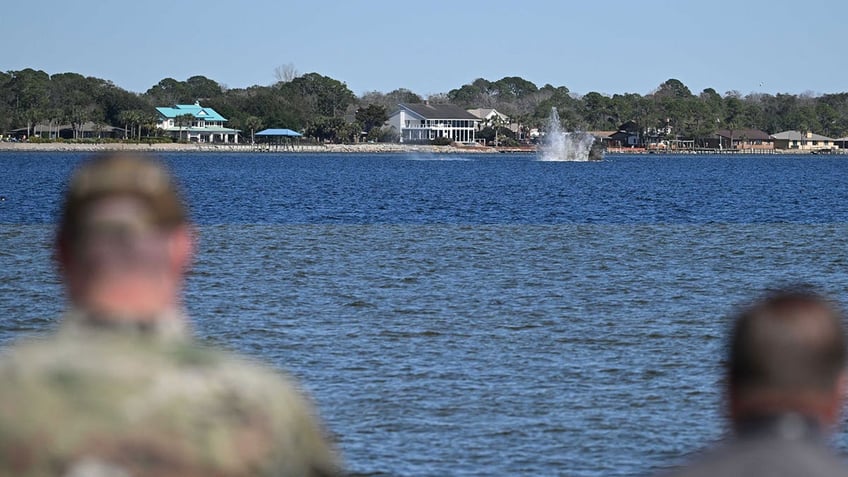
<point>425,122</point>
<point>193,122</point>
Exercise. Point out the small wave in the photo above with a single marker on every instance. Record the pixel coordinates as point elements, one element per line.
<point>409,334</point>
<point>416,157</point>
<point>528,326</point>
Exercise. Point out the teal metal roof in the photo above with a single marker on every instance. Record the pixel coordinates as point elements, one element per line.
<point>195,110</point>
<point>279,132</point>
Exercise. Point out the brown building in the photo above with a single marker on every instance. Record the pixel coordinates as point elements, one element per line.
<point>745,138</point>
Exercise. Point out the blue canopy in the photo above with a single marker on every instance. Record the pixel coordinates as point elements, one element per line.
<point>279,132</point>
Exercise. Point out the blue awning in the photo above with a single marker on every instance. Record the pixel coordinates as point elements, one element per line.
<point>279,132</point>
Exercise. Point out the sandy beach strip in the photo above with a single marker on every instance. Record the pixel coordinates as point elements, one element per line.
<point>367,148</point>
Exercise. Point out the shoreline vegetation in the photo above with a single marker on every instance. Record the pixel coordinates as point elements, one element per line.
<point>513,111</point>
<point>360,148</point>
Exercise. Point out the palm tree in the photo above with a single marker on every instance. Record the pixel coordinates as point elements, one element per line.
<point>253,123</point>
<point>149,122</point>
<point>129,119</point>
<point>496,122</point>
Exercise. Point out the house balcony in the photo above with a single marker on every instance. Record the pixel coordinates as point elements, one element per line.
<point>440,127</point>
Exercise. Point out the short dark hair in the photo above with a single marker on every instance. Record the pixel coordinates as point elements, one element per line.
<point>790,340</point>
<point>121,173</point>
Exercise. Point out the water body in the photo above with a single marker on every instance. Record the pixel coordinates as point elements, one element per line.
<point>478,315</point>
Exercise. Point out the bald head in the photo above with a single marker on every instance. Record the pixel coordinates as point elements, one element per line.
<point>787,348</point>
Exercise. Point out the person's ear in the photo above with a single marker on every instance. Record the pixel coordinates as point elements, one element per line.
<point>182,246</point>
<point>733,402</point>
<point>62,254</point>
<point>837,398</point>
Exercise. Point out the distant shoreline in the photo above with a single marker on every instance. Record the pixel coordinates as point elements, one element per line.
<point>362,148</point>
<point>366,148</point>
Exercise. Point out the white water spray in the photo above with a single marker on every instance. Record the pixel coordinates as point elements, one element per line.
<point>558,145</point>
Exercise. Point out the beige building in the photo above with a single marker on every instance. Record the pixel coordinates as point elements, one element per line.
<point>802,141</point>
<point>489,117</point>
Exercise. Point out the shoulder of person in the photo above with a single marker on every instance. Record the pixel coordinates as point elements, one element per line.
<point>227,411</point>
<point>765,457</point>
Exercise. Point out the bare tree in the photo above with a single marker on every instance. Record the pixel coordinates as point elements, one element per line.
<point>437,98</point>
<point>285,73</point>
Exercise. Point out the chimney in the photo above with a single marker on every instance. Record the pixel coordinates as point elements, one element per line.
<point>809,134</point>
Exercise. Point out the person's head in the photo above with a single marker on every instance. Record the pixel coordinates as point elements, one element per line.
<point>787,353</point>
<point>123,241</point>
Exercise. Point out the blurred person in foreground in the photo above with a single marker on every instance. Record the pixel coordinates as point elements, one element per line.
<point>121,389</point>
<point>785,390</point>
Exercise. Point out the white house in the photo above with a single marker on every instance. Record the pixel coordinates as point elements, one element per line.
<point>425,121</point>
<point>203,125</point>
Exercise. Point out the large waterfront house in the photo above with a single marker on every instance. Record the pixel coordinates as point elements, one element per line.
<point>425,122</point>
<point>193,122</point>
<point>802,141</point>
<point>744,138</point>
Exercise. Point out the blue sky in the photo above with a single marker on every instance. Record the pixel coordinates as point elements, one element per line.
<point>434,46</point>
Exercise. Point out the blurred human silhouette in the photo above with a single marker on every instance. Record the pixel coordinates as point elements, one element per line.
<point>121,389</point>
<point>785,390</point>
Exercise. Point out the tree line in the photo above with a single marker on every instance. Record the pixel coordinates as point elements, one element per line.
<point>325,108</point>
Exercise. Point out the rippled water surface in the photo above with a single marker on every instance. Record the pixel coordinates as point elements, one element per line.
<point>481,315</point>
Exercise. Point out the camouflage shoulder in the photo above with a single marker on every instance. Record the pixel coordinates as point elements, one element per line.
<point>264,395</point>
<point>174,405</point>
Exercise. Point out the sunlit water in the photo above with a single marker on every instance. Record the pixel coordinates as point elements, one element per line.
<point>484,317</point>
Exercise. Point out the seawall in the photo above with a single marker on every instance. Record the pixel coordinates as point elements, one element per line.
<point>370,148</point>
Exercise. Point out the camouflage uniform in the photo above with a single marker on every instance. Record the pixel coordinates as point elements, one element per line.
<point>101,399</point>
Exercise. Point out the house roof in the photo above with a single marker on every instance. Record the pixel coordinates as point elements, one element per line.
<point>195,110</point>
<point>747,133</point>
<point>622,133</point>
<point>484,113</point>
<point>799,136</point>
<point>438,111</point>
<point>602,134</point>
<point>629,126</point>
<point>279,132</point>
<point>88,126</point>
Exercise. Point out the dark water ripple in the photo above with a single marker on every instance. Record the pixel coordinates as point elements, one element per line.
<point>363,189</point>
<point>487,317</point>
<point>514,349</point>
